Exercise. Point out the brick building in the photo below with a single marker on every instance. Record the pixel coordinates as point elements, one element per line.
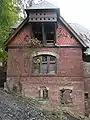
<point>53,71</point>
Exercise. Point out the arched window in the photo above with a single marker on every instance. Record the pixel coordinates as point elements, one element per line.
<point>44,64</point>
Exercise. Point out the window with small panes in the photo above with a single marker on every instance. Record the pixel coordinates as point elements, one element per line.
<point>44,65</point>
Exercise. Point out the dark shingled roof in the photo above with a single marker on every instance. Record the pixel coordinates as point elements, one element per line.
<point>43,5</point>
<point>82,32</point>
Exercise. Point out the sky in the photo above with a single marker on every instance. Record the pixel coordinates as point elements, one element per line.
<point>74,11</point>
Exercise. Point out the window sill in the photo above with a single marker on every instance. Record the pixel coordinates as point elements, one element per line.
<point>43,100</point>
<point>42,75</point>
<point>66,105</point>
<point>47,46</point>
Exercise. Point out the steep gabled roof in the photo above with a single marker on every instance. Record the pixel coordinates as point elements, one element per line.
<point>78,37</point>
<point>43,6</point>
<point>82,32</point>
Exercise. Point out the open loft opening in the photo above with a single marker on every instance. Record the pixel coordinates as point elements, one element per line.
<point>37,31</point>
<point>45,32</point>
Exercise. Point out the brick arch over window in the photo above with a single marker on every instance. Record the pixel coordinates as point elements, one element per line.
<point>44,64</point>
<point>46,53</point>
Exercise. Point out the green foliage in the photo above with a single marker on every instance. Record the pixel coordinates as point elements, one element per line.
<point>8,17</point>
<point>23,4</point>
<point>10,10</point>
<point>58,113</point>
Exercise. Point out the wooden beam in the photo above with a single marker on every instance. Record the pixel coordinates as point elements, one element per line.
<point>43,35</point>
<point>54,33</point>
<point>30,31</point>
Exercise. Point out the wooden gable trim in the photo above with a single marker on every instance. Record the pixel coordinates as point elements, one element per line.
<point>81,41</point>
<point>16,31</point>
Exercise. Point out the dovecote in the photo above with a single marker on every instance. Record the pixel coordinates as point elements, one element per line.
<point>43,21</point>
<point>43,12</point>
<point>42,16</point>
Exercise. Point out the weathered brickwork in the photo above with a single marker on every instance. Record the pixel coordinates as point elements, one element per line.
<point>64,37</point>
<point>69,72</point>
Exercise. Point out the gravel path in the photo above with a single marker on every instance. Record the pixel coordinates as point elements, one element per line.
<point>12,108</point>
<point>18,108</point>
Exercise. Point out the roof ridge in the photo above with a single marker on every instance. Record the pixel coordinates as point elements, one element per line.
<point>44,1</point>
<point>43,5</point>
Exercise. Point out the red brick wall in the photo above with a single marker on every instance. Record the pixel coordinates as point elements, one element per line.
<point>69,70</point>
<point>69,74</point>
<point>64,37</point>
<point>21,37</point>
<point>69,62</point>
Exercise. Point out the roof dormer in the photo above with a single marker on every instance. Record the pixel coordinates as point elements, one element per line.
<point>43,12</point>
